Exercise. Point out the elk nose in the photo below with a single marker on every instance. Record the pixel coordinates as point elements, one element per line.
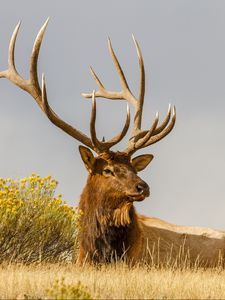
<point>142,188</point>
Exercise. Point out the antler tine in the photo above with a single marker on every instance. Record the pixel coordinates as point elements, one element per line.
<point>103,145</point>
<point>30,86</point>
<point>102,92</point>
<point>159,128</point>
<point>11,57</point>
<point>154,134</point>
<point>165,122</point>
<point>34,56</point>
<point>123,81</point>
<point>11,73</point>
<point>134,146</point>
<point>94,139</point>
<point>142,70</point>
<point>99,83</point>
<point>155,138</point>
<point>140,103</point>
<point>143,140</point>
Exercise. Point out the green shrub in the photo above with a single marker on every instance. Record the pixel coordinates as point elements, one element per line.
<point>60,290</point>
<point>35,225</point>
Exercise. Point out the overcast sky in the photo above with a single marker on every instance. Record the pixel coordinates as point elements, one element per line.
<point>183,44</point>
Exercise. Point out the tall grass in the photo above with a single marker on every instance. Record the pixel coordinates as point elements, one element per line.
<point>48,281</point>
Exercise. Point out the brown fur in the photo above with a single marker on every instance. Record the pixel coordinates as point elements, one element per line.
<point>169,243</point>
<point>106,232</point>
<point>109,225</point>
<point>111,229</point>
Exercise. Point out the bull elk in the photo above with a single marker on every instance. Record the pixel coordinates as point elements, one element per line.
<point>110,226</point>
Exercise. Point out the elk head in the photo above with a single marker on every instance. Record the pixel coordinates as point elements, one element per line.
<point>115,170</point>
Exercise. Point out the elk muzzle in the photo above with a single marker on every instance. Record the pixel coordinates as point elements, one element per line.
<point>141,191</point>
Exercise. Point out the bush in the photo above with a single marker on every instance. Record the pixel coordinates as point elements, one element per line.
<point>35,225</point>
<point>62,291</point>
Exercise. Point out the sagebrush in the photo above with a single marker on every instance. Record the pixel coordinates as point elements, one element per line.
<point>36,224</point>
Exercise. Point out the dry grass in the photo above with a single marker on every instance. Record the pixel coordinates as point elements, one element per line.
<point>112,282</point>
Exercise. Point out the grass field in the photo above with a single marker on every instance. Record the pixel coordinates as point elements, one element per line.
<point>112,282</point>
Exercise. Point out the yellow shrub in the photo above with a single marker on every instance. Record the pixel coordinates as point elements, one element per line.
<point>35,225</point>
<point>61,290</point>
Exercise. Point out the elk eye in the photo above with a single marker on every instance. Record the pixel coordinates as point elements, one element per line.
<point>107,171</point>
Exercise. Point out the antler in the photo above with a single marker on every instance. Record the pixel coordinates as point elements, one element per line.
<point>39,94</point>
<point>139,138</point>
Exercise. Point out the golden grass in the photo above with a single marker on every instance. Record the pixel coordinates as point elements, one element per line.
<point>112,282</point>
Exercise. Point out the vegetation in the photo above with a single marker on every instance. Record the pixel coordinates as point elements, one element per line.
<point>35,224</point>
<point>66,281</point>
<point>61,290</point>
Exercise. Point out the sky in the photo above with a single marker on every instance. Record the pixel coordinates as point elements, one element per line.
<point>183,45</point>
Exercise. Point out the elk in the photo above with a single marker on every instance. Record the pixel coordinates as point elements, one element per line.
<point>110,226</point>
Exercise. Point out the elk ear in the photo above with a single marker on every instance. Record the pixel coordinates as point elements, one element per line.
<point>140,162</point>
<point>87,157</point>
